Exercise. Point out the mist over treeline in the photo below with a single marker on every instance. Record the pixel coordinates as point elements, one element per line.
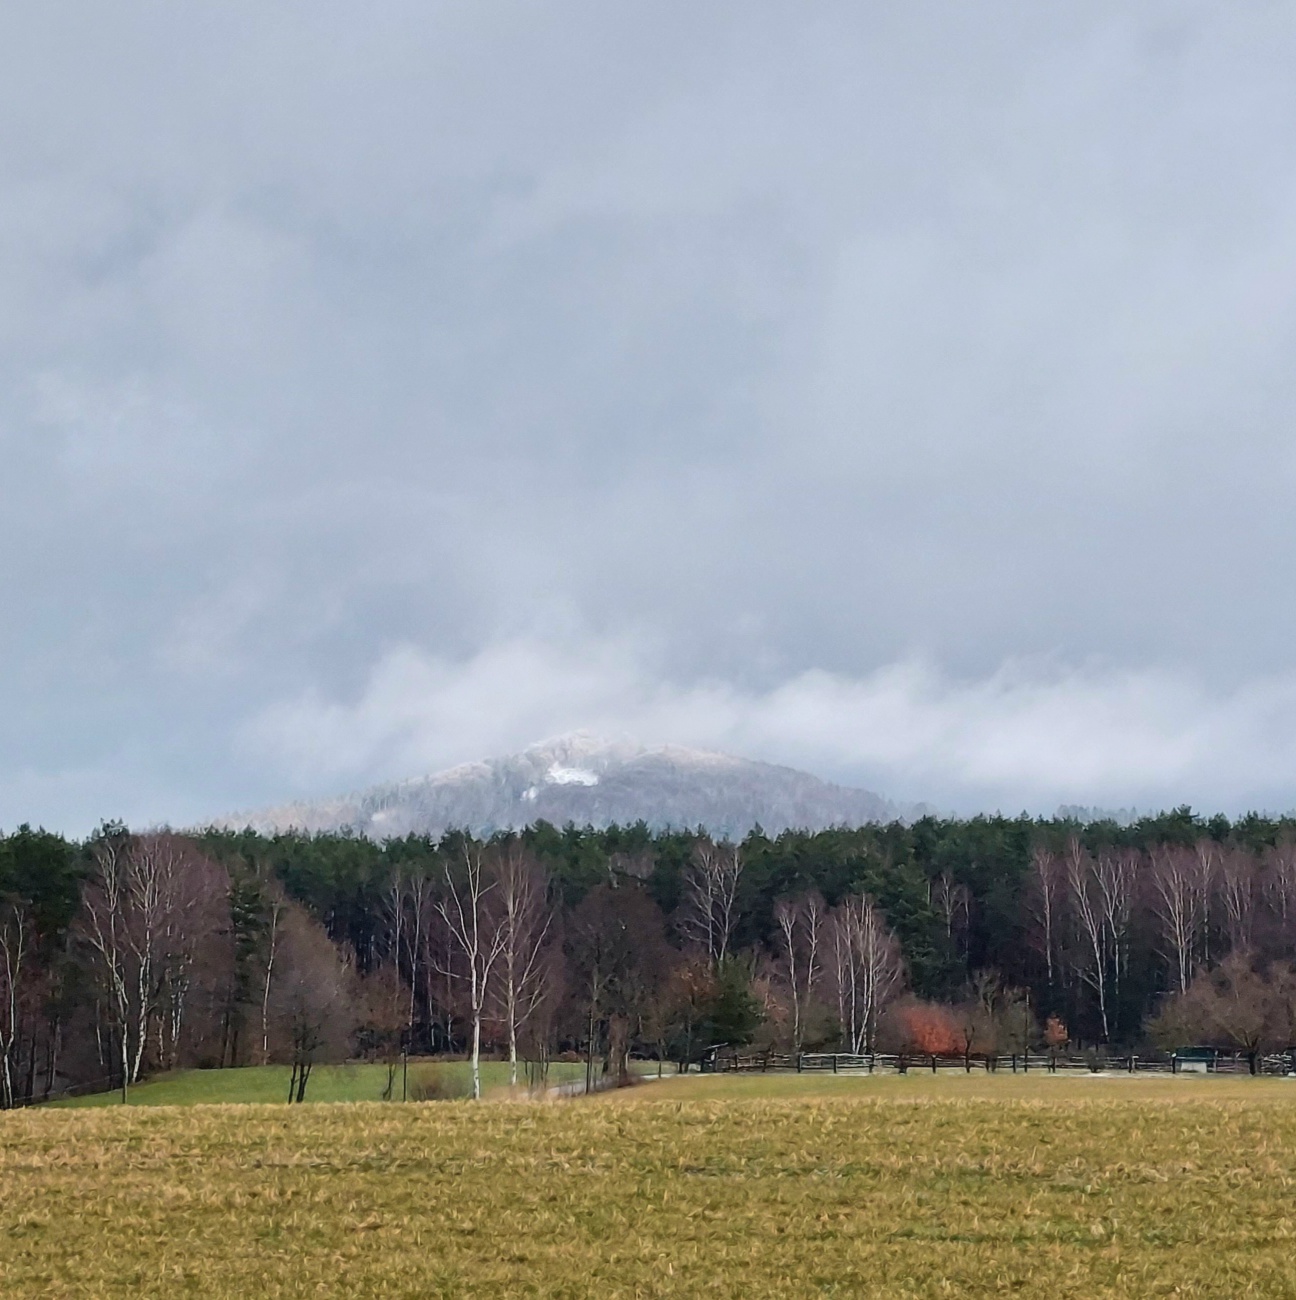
<point>129,954</point>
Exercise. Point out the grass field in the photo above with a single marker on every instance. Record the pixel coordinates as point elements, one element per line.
<point>751,1187</point>
<point>331,1083</point>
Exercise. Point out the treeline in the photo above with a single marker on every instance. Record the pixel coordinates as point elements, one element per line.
<point>129,954</point>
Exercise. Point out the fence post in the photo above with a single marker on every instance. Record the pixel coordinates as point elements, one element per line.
<point>1131,1067</point>
<point>834,1062</point>
<point>799,1055</point>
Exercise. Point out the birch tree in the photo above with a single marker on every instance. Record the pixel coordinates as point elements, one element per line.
<point>1117,875</point>
<point>868,967</point>
<point>1236,880</point>
<point>525,922</point>
<point>106,904</point>
<point>193,927</point>
<point>1101,896</point>
<point>468,909</point>
<point>1206,856</point>
<point>1280,884</point>
<point>407,916</point>
<point>418,893</point>
<point>1179,905</point>
<point>395,915</point>
<point>954,903</point>
<point>1046,895</point>
<point>711,896</point>
<point>275,909</point>
<point>1086,910</point>
<point>800,925</point>
<point>149,903</point>
<point>15,941</point>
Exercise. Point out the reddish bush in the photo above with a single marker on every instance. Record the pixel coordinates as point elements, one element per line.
<point>1055,1033</point>
<point>932,1029</point>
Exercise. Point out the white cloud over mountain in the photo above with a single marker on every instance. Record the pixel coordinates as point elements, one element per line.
<point>1031,735</point>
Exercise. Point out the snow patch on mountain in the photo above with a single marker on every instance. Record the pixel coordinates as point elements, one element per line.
<point>559,775</point>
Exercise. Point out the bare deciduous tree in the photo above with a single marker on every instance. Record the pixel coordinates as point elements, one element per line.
<point>1280,883</point>
<point>394,915</point>
<point>711,895</point>
<point>1101,894</point>
<point>978,1016</point>
<point>1091,949</point>
<point>954,903</point>
<point>1207,856</point>
<point>275,907</point>
<point>468,909</point>
<point>1046,900</point>
<point>1117,876</point>
<point>800,924</point>
<point>311,1003</point>
<point>868,967</point>
<point>525,921</point>
<point>1236,880</point>
<point>380,1017</point>
<point>194,921</point>
<point>620,959</point>
<point>148,903</point>
<point>1238,1003</point>
<point>1179,905</point>
<point>419,896</point>
<point>407,906</point>
<point>106,902</point>
<point>15,940</point>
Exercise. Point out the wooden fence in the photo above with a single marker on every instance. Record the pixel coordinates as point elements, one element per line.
<point>1279,1063</point>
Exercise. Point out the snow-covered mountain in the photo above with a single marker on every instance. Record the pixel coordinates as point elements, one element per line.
<point>589,781</point>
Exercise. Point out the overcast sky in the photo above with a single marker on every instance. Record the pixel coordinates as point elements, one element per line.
<point>903,392</point>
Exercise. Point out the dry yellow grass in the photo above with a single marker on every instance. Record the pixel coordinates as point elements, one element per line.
<point>751,1187</point>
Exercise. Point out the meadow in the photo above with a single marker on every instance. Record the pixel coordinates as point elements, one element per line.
<point>757,1186</point>
<point>356,1081</point>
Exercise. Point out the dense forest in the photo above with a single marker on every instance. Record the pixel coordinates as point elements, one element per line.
<point>130,954</point>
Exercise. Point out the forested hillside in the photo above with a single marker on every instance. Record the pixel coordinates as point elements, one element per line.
<point>129,954</point>
<point>586,780</point>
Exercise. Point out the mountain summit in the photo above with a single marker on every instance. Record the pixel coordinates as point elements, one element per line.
<point>589,781</point>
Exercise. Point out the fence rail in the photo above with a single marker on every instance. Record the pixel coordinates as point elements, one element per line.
<point>1277,1063</point>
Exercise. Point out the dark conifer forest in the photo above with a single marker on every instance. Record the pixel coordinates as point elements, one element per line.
<point>130,954</point>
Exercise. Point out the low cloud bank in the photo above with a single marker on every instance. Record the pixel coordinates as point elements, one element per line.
<point>1032,735</point>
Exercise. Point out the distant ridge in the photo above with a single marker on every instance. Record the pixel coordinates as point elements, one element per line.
<point>589,781</point>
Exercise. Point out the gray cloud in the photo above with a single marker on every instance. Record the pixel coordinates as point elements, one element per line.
<point>1026,736</point>
<point>792,363</point>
